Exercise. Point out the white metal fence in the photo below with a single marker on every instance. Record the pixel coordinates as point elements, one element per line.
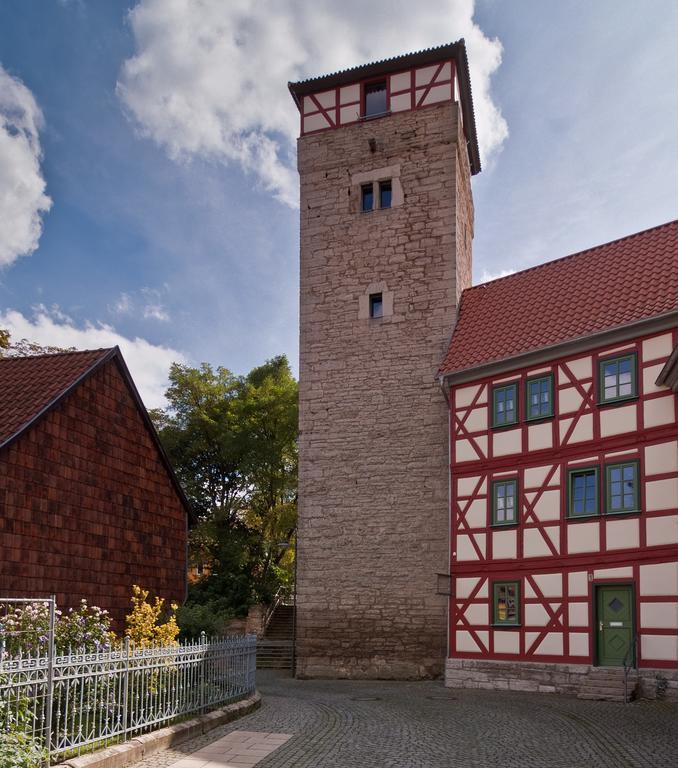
<point>79,702</point>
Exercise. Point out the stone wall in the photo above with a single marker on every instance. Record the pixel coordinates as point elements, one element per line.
<point>373,484</point>
<point>570,679</point>
<point>87,508</point>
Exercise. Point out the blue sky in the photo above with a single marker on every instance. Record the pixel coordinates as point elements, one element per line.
<point>164,139</point>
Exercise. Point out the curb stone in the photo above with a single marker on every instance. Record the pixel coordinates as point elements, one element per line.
<point>140,747</point>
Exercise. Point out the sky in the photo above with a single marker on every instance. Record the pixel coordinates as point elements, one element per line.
<point>148,188</point>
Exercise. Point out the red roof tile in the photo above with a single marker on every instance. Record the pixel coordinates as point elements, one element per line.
<point>602,288</point>
<point>28,385</point>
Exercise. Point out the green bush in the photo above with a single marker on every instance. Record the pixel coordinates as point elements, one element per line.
<point>19,751</point>
<point>210,618</point>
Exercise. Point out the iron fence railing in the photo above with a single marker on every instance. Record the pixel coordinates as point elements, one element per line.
<point>69,704</point>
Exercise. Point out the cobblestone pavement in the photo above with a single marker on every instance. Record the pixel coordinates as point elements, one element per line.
<point>342,724</point>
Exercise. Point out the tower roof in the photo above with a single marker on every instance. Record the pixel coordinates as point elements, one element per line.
<point>456,51</point>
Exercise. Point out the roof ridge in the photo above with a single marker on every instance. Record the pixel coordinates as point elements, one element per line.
<point>430,49</point>
<point>64,352</point>
<point>570,255</point>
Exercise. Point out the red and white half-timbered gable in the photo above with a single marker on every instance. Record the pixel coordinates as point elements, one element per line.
<point>564,470</point>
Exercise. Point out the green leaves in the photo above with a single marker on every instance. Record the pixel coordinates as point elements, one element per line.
<point>233,442</point>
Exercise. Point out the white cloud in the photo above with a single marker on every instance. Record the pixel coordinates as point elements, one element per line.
<point>208,78</point>
<point>147,303</point>
<point>486,276</point>
<point>148,363</point>
<point>22,186</point>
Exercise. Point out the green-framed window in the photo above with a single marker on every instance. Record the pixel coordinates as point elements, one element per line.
<point>622,487</point>
<point>539,397</point>
<point>504,502</point>
<point>617,378</point>
<point>582,492</point>
<point>506,602</point>
<point>505,405</point>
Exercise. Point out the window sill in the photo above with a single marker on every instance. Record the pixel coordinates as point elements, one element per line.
<point>504,525</point>
<point>577,518</point>
<point>624,513</point>
<point>537,419</point>
<point>618,401</point>
<point>366,118</point>
<point>506,626</point>
<point>500,427</point>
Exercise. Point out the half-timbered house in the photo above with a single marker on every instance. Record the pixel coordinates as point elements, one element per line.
<point>561,382</point>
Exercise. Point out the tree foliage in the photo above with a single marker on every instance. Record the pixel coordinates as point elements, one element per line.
<point>233,442</point>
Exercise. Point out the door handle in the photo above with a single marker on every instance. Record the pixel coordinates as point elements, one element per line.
<point>600,626</point>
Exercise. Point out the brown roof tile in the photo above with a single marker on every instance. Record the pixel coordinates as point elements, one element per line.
<point>611,285</point>
<point>28,385</point>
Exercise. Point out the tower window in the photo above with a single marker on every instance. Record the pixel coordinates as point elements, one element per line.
<point>367,197</point>
<point>376,305</point>
<point>375,99</point>
<point>385,194</point>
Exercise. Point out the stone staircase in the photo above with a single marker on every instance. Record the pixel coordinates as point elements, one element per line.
<point>275,648</point>
<point>607,684</point>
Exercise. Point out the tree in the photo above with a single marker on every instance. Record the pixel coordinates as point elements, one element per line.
<point>233,442</point>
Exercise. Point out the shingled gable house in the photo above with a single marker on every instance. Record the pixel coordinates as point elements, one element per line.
<point>536,468</point>
<point>89,504</point>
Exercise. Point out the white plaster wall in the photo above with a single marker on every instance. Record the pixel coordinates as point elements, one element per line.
<point>579,644</point>
<point>625,572</point>
<point>659,579</point>
<point>466,643</point>
<point>548,506</point>
<point>661,494</point>
<point>315,123</point>
<point>622,534</point>
<point>400,82</point>
<point>506,642</point>
<point>551,645</point>
<point>438,93</point>
<point>535,476</point>
<point>478,613</point>
<point>477,419</point>
<point>476,515</point>
<point>659,647</point>
<point>617,420</point>
<point>507,442</point>
<point>569,400</point>
<point>661,458</point>
<point>661,530</point>
<point>466,485</point>
<point>504,544</point>
<point>327,99</point>
<point>659,615</point>
<point>550,584</point>
<point>463,397</point>
<point>349,93</point>
<point>466,550</point>
<point>401,102</point>
<point>659,410</point>
<point>583,537</point>
<point>534,544</point>
<point>578,584</point>
<point>539,436</point>
<point>535,615</point>
<point>464,587</point>
<point>578,614</point>
<point>657,347</point>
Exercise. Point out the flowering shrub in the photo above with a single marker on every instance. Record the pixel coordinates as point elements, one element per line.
<point>26,629</point>
<point>151,623</point>
<point>19,751</point>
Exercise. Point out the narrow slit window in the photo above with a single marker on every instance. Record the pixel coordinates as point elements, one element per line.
<point>375,99</point>
<point>376,305</point>
<point>384,194</point>
<point>367,197</point>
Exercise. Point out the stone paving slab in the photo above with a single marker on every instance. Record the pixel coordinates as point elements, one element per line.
<point>239,749</point>
<point>346,724</point>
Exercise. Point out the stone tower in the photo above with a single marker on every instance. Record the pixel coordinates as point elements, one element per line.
<point>385,158</point>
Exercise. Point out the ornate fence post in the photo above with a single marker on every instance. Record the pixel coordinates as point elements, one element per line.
<point>125,692</point>
<point>203,642</point>
<point>49,703</point>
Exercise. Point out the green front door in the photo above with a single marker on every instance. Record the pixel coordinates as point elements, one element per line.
<point>614,624</point>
